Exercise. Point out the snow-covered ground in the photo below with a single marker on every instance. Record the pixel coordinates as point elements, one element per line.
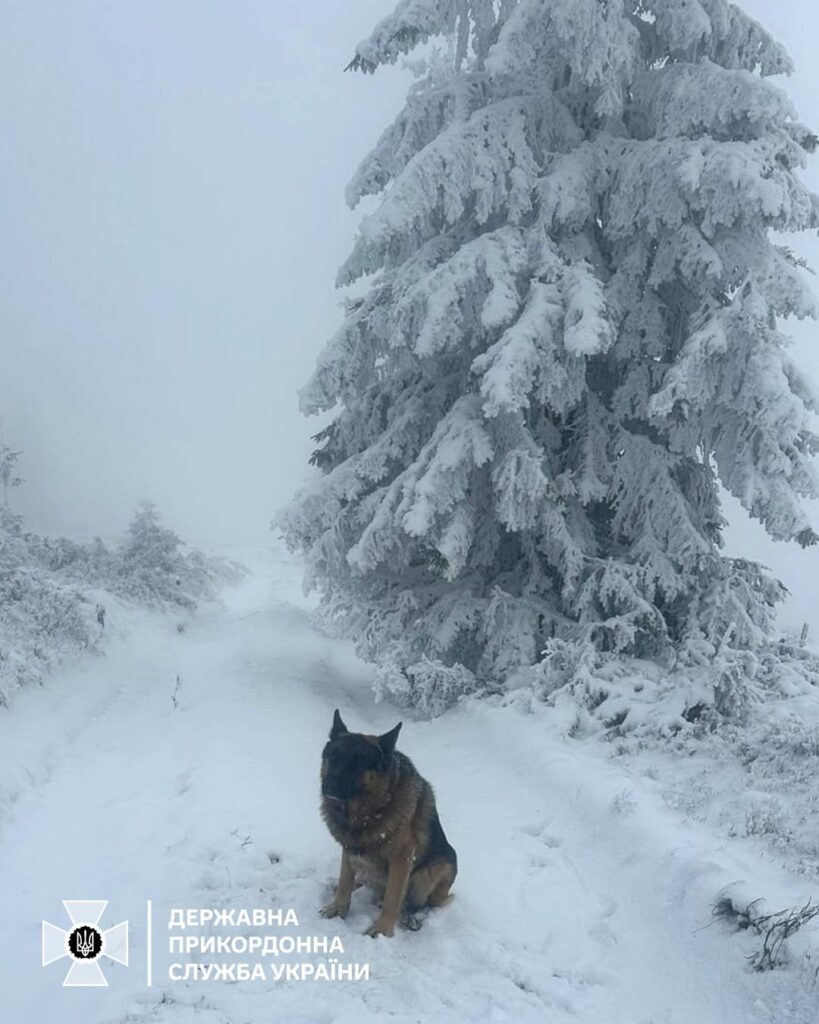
<point>584,894</point>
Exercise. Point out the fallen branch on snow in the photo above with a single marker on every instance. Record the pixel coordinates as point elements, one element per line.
<point>774,928</point>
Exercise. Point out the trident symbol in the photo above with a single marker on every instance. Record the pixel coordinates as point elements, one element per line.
<point>85,943</point>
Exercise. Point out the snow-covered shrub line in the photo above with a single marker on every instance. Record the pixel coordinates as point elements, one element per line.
<point>50,589</point>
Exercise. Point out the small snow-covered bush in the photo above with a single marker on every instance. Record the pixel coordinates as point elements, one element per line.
<point>42,621</point>
<point>621,694</point>
<point>427,686</point>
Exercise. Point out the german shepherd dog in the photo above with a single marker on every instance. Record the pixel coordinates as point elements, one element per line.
<point>382,812</point>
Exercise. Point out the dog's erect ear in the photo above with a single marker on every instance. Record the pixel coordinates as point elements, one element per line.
<point>388,740</point>
<point>339,728</point>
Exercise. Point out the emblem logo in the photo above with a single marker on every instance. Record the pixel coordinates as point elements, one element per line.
<point>84,943</point>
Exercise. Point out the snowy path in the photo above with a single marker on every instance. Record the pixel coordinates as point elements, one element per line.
<point>576,900</point>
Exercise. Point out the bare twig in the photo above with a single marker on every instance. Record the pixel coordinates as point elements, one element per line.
<point>775,929</point>
<point>177,689</point>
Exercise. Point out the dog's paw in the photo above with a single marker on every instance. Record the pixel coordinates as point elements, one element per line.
<point>380,927</point>
<point>334,910</point>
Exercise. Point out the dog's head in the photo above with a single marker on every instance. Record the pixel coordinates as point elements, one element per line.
<point>354,765</point>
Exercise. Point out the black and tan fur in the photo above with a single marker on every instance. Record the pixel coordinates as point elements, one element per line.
<point>382,812</point>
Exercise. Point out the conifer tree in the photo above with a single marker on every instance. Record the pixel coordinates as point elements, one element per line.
<point>570,336</point>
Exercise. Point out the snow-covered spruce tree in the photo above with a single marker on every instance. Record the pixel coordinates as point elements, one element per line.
<point>155,567</point>
<point>8,470</point>
<point>152,567</point>
<point>569,338</point>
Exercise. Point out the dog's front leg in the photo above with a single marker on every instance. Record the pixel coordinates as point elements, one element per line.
<point>344,890</point>
<point>398,872</point>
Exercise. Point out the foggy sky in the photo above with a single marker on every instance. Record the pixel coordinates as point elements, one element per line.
<point>172,216</point>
